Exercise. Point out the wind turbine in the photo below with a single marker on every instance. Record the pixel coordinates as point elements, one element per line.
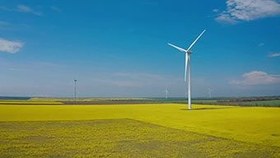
<point>75,91</point>
<point>188,65</point>
<point>166,93</point>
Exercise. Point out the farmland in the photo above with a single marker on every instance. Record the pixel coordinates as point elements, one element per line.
<point>266,101</point>
<point>157,130</point>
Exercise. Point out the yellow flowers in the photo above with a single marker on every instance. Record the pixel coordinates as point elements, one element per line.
<point>138,130</point>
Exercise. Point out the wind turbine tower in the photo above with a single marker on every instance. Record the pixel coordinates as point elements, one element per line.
<point>75,91</point>
<point>187,76</point>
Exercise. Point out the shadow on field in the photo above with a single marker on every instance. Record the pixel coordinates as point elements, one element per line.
<point>205,109</point>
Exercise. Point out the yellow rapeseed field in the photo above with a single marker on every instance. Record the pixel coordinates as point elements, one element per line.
<point>254,129</point>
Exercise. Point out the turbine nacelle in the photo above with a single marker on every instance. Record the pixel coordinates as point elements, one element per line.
<point>188,52</point>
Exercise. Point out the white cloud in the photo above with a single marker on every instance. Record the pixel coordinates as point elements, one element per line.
<point>223,18</point>
<point>248,10</point>
<point>10,46</point>
<point>22,8</point>
<point>257,78</point>
<point>215,10</point>
<point>26,9</point>
<point>274,55</point>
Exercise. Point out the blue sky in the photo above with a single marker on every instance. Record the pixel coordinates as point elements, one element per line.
<point>119,48</point>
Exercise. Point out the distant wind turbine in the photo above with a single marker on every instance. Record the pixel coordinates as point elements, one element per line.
<point>75,91</point>
<point>188,65</point>
<point>166,93</point>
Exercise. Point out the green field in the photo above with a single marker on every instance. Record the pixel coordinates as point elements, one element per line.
<point>138,130</point>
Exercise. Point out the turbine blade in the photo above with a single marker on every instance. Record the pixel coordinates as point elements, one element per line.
<point>196,40</point>
<point>180,49</point>
<point>186,66</point>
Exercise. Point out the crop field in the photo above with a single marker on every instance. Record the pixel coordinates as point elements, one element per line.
<point>272,101</point>
<point>138,130</point>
